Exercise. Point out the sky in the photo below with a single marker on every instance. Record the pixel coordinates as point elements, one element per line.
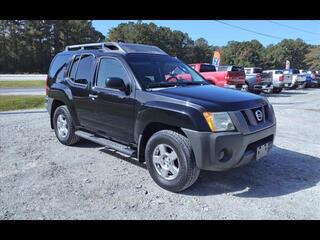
<point>219,33</point>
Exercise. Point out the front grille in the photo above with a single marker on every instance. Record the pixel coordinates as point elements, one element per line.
<point>256,116</point>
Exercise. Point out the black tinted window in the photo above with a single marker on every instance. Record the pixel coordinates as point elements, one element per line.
<point>257,70</point>
<point>74,68</point>
<point>58,67</point>
<point>110,68</point>
<point>207,68</point>
<point>295,71</point>
<point>236,69</point>
<point>85,68</point>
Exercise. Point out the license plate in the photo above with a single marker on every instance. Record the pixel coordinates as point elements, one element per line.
<point>262,151</point>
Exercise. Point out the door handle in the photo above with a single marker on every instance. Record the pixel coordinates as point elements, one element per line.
<point>93,96</point>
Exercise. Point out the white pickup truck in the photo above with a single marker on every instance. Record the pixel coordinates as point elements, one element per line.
<point>298,79</point>
<point>279,80</point>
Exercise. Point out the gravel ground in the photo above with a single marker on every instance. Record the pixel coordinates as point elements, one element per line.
<point>43,179</point>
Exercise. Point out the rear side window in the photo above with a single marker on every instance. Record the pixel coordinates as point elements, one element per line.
<point>236,69</point>
<point>84,71</point>
<point>58,67</point>
<point>207,68</point>
<point>257,70</point>
<point>109,68</point>
<point>278,72</point>
<point>74,68</point>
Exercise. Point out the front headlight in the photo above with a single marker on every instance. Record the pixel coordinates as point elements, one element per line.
<point>219,121</point>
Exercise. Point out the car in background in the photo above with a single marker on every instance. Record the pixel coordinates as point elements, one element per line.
<point>298,79</point>
<point>256,80</point>
<point>222,76</point>
<point>279,80</point>
<point>311,78</point>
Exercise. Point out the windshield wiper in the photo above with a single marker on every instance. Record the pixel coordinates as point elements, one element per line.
<point>190,83</point>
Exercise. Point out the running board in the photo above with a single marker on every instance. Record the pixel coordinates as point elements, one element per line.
<point>107,143</point>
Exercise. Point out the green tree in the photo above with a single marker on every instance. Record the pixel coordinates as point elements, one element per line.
<point>246,54</point>
<point>288,49</point>
<point>175,43</point>
<point>29,45</point>
<point>312,59</point>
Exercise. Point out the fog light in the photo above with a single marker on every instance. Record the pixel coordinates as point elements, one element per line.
<point>221,155</point>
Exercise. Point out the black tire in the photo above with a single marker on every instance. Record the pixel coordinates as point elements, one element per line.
<point>70,138</point>
<point>188,171</point>
<point>276,90</point>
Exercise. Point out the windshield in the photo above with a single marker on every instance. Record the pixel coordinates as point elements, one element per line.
<point>162,71</point>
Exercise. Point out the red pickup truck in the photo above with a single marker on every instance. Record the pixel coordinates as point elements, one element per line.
<point>224,76</point>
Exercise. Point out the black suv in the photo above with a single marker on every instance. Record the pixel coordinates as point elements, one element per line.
<point>139,101</point>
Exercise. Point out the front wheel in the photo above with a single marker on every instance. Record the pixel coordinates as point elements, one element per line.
<point>170,160</point>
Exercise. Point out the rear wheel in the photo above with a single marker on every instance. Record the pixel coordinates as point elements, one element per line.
<point>64,127</point>
<point>170,161</point>
<point>276,90</point>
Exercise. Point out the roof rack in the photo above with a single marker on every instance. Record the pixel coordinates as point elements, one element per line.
<point>117,47</point>
<point>107,46</point>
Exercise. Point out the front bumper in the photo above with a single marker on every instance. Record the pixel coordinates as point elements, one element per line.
<point>239,148</point>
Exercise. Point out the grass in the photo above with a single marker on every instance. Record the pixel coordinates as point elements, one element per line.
<point>13,102</point>
<point>23,84</point>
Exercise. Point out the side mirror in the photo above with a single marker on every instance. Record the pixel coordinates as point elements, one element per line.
<point>116,83</point>
<point>82,81</point>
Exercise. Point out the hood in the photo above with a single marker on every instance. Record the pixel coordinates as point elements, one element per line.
<point>214,98</point>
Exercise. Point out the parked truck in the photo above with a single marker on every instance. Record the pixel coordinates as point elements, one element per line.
<point>222,76</point>
<point>298,79</point>
<point>257,80</point>
<point>279,80</point>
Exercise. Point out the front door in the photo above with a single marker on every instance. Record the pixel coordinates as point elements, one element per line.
<point>114,109</point>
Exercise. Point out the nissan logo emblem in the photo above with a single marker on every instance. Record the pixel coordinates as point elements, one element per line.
<point>259,115</point>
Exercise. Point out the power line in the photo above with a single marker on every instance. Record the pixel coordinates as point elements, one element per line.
<point>298,29</point>
<point>248,30</point>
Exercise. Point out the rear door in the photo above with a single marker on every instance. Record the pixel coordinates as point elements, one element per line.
<point>80,78</point>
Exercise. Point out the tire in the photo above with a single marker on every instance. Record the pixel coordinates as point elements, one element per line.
<point>276,90</point>
<point>61,115</point>
<point>185,162</point>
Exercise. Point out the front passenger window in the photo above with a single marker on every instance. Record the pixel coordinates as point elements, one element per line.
<point>110,68</point>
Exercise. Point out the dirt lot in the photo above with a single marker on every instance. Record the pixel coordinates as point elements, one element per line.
<point>42,179</point>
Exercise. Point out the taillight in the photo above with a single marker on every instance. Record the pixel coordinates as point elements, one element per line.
<point>281,77</point>
<point>47,85</point>
<point>258,78</point>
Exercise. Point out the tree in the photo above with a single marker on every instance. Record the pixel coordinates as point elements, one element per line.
<point>288,49</point>
<point>246,54</point>
<point>175,43</point>
<point>29,45</point>
<point>312,59</point>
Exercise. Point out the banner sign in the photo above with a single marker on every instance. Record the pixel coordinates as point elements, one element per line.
<point>216,57</point>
